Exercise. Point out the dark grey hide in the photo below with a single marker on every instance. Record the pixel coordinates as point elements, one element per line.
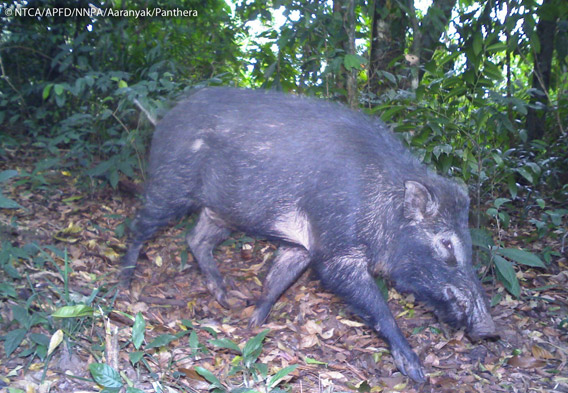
<point>339,191</point>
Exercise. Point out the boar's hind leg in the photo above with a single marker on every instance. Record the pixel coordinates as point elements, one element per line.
<point>347,276</point>
<point>147,221</point>
<point>202,240</point>
<point>288,265</point>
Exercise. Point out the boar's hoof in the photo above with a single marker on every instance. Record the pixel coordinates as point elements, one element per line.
<point>484,329</point>
<point>221,298</point>
<point>408,363</point>
<point>491,335</point>
<point>125,278</point>
<point>220,295</point>
<point>259,315</point>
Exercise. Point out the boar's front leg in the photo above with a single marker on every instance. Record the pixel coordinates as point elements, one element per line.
<point>289,264</point>
<point>209,231</point>
<point>348,277</point>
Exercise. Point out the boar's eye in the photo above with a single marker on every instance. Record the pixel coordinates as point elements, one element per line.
<point>451,259</point>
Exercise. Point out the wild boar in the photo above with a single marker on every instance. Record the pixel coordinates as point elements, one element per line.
<point>336,188</point>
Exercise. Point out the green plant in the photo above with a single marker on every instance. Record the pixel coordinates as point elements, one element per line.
<point>143,357</point>
<point>44,321</point>
<point>500,215</point>
<point>551,221</point>
<point>245,365</point>
<point>7,203</point>
<point>110,379</point>
<point>238,241</point>
<point>501,260</point>
<point>8,255</point>
<point>38,178</point>
<point>254,374</point>
<point>72,96</point>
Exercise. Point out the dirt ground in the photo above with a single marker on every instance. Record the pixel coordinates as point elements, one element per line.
<point>309,327</point>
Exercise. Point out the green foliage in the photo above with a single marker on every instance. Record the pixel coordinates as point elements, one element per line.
<point>502,260</point>
<point>73,93</point>
<point>161,341</point>
<point>460,129</point>
<point>105,376</point>
<point>138,331</point>
<point>551,222</point>
<point>7,203</point>
<point>39,323</point>
<point>245,364</point>
<point>67,319</point>
<point>77,311</point>
<point>466,119</point>
<point>521,256</point>
<point>253,373</point>
<point>305,53</point>
<point>13,339</point>
<point>110,379</point>
<point>10,254</point>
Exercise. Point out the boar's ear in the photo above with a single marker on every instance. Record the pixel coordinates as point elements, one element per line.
<point>419,203</point>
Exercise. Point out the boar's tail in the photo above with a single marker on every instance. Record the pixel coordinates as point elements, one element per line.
<point>151,118</point>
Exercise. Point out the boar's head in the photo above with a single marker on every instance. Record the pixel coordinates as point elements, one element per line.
<point>433,256</point>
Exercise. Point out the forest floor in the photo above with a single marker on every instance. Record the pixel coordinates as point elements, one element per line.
<point>309,327</point>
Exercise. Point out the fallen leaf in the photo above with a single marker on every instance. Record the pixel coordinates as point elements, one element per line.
<point>391,382</point>
<point>432,359</point>
<point>36,366</point>
<point>440,345</point>
<point>333,375</point>
<point>246,252</point>
<point>312,327</point>
<point>190,373</point>
<point>66,239</point>
<point>526,362</point>
<point>327,334</point>
<point>309,341</point>
<point>351,323</point>
<point>71,229</point>
<point>400,387</point>
<point>443,381</point>
<point>54,341</point>
<point>254,268</point>
<point>111,254</point>
<point>541,353</point>
<point>227,329</point>
<point>309,360</point>
<point>139,307</point>
<point>560,278</point>
<point>550,332</point>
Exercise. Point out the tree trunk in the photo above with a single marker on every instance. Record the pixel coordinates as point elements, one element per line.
<point>433,26</point>
<point>388,41</point>
<point>348,78</point>
<point>349,25</point>
<point>542,66</point>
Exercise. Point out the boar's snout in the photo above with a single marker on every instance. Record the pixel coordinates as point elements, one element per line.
<point>480,324</point>
<point>484,329</point>
<point>472,306</point>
